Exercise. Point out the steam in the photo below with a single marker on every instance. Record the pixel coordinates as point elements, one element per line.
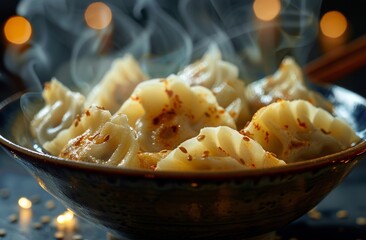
<point>163,36</point>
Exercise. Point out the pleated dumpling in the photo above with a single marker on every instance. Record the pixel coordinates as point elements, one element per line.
<point>297,130</point>
<point>117,84</point>
<point>222,78</point>
<point>216,149</point>
<point>112,143</point>
<point>286,83</point>
<point>90,120</point>
<point>165,112</point>
<point>61,107</point>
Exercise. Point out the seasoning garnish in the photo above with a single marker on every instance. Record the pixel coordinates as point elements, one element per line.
<point>200,137</point>
<point>183,149</point>
<point>341,214</point>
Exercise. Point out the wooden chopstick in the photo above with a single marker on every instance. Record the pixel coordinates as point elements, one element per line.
<point>338,63</point>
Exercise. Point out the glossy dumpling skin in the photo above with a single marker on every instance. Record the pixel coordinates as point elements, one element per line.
<point>117,84</point>
<point>286,83</point>
<point>90,120</point>
<point>165,112</point>
<point>297,130</point>
<point>217,149</point>
<point>61,107</point>
<point>113,143</point>
<point>222,78</point>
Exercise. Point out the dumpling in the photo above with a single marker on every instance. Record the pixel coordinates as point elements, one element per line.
<point>91,120</point>
<point>218,148</point>
<point>61,107</point>
<point>165,112</point>
<point>112,143</point>
<point>286,83</point>
<point>222,78</point>
<point>297,130</point>
<point>117,84</point>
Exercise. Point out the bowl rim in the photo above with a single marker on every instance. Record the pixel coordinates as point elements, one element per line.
<point>343,156</point>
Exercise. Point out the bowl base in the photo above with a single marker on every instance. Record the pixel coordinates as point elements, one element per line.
<point>266,236</point>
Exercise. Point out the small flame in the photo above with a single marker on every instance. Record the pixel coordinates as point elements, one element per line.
<point>17,30</point>
<point>333,24</point>
<point>266,10</point>
<point>66,217</point>
<point>24,203</point>
<point>98,15</point>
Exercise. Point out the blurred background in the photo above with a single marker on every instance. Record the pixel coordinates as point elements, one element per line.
<point>339,23</point>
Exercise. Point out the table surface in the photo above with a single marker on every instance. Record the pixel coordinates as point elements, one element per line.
<point>15,182</point>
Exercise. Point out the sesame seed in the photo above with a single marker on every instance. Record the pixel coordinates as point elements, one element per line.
<point>2,232</point>
<point>50,205</point>
<point>361,221</point>
<point>341,214</point>
<point>183,149</point>
<point>45,219</point>
<point>205,154</point>
<point>37,225</point>
<point>13,218</point>
<point>4,193</point>
<point>314,214</point>
<point>77,237</point>
<point>200,137</point>
<point>59,235</point>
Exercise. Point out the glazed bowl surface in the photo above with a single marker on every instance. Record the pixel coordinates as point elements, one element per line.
<point>142,204</point>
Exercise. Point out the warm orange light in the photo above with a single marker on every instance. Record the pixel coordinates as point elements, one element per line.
<point>66,217</point>
<point>24,203</point>
<point>266,10</point>
<point>98,15</point>
<point>333,24</point>
<point>17,30</point>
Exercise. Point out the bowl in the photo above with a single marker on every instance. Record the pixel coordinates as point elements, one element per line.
<point>142,204</point>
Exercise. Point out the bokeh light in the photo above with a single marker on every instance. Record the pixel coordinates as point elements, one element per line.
<point>266,10</point>
<point>17,30</point>
<point>333,24</point>
<point>66,217</point>
<point>24,203</point>
<point>98,15</point>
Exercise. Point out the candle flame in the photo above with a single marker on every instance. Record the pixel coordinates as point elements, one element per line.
<point>65,217</point>
<point>24,203</point>
<point>98,15</point>
<point>17,30</point>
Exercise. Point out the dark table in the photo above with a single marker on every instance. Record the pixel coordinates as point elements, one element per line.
<point>341,215</point>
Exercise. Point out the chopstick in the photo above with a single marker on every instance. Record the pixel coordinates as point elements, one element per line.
<point>338,63</point>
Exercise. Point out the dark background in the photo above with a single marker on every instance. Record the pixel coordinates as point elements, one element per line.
<point>353,10</point>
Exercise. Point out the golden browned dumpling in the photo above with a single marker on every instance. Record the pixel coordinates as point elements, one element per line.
<point>218,149</point>
<point>165,112</point>
<point>61,108</point>
<point>297,130</point>
<point>286,83</point>
<point>117,84</point>
<point>222,78</point>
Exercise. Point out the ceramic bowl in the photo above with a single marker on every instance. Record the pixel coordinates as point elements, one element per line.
<point>141,204</point>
